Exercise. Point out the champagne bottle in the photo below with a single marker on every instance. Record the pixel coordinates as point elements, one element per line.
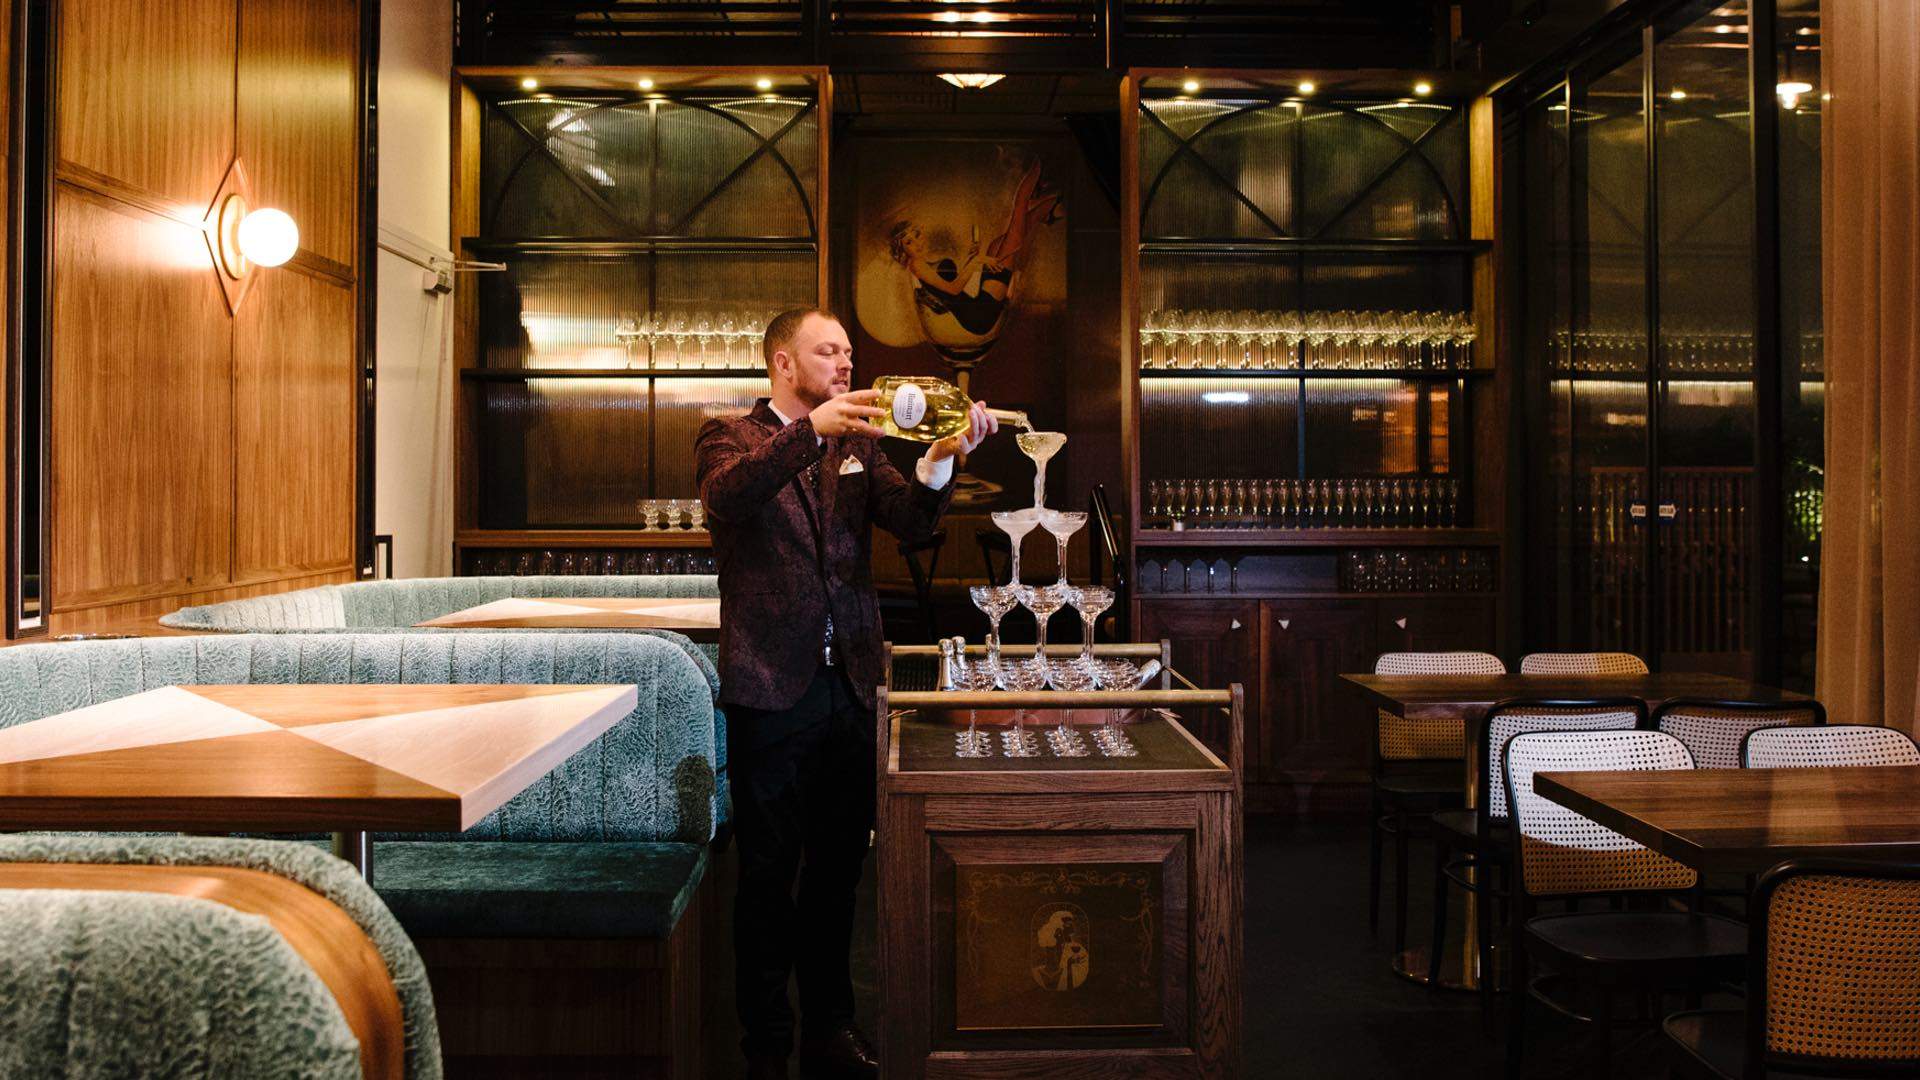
<point>925,409</point>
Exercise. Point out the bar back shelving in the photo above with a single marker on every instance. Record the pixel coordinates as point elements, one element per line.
<point>1314,428</point>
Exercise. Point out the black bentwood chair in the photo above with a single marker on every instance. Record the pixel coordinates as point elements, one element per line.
<point>1713,728</point>
<point>1476,839</point>
<point>1563,855</point>
<point>1833,978</point>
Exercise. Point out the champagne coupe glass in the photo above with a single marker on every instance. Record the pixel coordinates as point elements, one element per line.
<point>1062,524</point>
<point>1173,335</point>
<point>1018,741</point>
<point>703,329</point>
<point>1292,327</point>
<point>1077,673</point>
<point>650,509</point>
<point>1314,329</point>
<point>673,513</point>
<point>1016,524</point>
<point>972,743</point>
<point>697,514</point>
<point>1243,336</point>
<point>1269,331</point>
<point>1340,328</point>
<point>725,328</point>
<point>1149,327</point>
<point>994,601</point>
<point>1112,672</point>
<point>1219,323</point>
<point>1043,601</point>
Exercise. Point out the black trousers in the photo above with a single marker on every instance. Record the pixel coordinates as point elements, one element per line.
<point>803,807</point>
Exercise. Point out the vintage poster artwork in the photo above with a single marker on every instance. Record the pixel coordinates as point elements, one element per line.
<point>1069,946</point>
<point>960,271</point>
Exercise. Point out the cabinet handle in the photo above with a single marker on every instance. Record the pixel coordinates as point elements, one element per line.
<point>1400,622</point>
<point>1284,623</point>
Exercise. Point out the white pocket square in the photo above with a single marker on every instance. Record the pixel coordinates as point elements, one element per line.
<point>851,465</point>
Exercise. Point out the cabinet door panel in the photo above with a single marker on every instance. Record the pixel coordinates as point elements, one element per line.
<point>1436,624</point>
<point>1313,727</point>
<point>1214,644</point>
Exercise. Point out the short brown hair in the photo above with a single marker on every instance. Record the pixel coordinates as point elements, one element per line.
<point>781,331</point>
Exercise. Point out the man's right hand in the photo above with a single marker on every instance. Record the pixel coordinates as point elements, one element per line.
<point>846,414</point>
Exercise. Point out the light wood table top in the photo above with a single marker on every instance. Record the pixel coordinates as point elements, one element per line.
<point>696,617</point>
<point>1470,696</point>
<point>1746,820</point>
<point>296,758</point>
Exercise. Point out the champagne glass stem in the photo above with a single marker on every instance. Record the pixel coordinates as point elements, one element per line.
<point>1014,579</point>
<point>1040,649</point>
<point>1086,640</point>
<point>1061,544</point>
<point>993,653</point>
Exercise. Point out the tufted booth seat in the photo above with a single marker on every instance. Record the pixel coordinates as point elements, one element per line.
<point>135,980</point>
<point>395,606</point>
<point>607,848</point>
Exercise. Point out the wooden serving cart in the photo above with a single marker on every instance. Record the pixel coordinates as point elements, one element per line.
<point>1070,917</point>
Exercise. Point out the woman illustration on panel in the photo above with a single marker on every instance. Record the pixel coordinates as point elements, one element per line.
<point>960,304</point>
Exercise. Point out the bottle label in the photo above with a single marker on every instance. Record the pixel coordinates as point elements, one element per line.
<point>909,405</point>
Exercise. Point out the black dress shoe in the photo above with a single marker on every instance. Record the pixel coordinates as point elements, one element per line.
<point>767,1067</point>
<point>844,1055</point>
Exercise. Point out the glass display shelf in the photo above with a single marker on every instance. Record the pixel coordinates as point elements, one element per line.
<point>1406,536</point>
<point>1428,374</point>
<point>521,374</point>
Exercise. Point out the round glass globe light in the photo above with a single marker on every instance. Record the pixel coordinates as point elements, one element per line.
<point>268,237</point>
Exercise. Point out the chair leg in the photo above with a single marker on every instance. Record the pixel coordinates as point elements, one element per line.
<point>1603,1034</point>
<point>1483,927</point>
<point>1400,822</point>
<point>1516,1014</point>
<point>1438,946</point>
<point>1373,862</point>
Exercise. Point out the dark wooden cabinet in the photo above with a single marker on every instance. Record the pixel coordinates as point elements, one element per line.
<point>1307,732</point>
<point>1216,642</point>
<point>1435,624</point>
<point>1310,727</point>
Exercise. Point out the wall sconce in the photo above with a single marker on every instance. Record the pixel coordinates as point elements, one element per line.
<point>264,237</point>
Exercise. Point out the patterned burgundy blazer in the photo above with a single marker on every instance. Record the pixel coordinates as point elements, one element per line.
<point>776,585</point>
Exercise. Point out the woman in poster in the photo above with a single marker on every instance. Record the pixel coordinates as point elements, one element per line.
<point>972,294</point>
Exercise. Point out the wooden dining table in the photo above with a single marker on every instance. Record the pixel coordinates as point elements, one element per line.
<point>1467,699</point>
<point>1747,820</point>
<point>291,758</point>
<point>696,617</point>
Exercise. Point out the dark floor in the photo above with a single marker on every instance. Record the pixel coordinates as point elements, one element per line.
<point>1321,1000</point>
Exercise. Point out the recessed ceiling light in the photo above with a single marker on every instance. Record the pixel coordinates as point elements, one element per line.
<point>949,16</point>
<point>764,84</point>
<point>970,80</point>
<point>983,16</point>
<point>1307,88</point>
<point>529,83</point>
<point>1191,86</point>
<point>1791,90</point>
<point>1724,28</point>
<point>1422,89</point>
<point>646,84</point>
<point>1805,31</point>
<point>1678,95</point>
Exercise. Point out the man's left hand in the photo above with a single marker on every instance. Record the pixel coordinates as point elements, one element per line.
<point>980,424</point>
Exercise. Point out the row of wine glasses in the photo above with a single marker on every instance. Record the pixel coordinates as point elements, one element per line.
<point>1682,351</point>
<point>1349,502</point>
<point>1176,339</point>
<point>567,563</point>
<point>692,341</point>
<point>1441,570</point>
<point>663,514</point>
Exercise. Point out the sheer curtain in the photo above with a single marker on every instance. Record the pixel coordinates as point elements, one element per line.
<point>1869,639</point>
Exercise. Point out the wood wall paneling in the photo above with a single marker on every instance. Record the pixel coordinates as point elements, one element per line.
<point>142,457</point>
<point>142,616</point>
<point>198,455</point>
<point>298,125</point>
<point>293,399</point>
<point>146,94</point>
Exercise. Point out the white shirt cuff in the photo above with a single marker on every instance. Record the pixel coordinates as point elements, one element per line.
<point>933,474</point>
